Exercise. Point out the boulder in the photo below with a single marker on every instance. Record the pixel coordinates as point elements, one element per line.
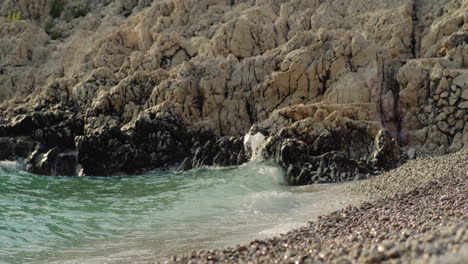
<point>387,152</point>
<point>151,142</point>
<point>333,149</point>
<point>226,151</point>
<point>52,162</point>
<point>17,147</point>
<point>136,85</point>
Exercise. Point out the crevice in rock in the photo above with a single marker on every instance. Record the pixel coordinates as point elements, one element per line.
<point>249,109</point>
<point>415,41</point>
<point>389,101</point>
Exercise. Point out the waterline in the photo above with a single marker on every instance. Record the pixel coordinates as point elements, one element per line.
<point>132,219</point>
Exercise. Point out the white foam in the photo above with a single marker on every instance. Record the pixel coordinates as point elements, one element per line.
<point>281,229</point>
<point>274,172</point>
<point>256,144</point>
<point>271,202</point>
<point>8,163</point>
<point>11,165</point>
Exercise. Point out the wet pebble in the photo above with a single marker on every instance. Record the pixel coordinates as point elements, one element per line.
<point>419,215</point>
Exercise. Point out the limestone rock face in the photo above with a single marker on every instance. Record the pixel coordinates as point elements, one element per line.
<point>324,143</point>
<point>17,53</point>
<point>155,83</point>
<point>432,106</point>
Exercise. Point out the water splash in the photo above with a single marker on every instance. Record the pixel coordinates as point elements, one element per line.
<point>256,144</point>
<point>122,219</point>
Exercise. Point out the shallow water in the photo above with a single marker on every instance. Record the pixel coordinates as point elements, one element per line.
<point>133,219</point>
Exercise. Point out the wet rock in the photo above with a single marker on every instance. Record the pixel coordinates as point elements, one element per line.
<point>325,156</point>
<point>226,151</point>
<point>43,163</point>
<point>53,162</point>
<point>186,165</point>
<point>14,148</point>
<point>295,65</point>
<point>405,222</point>
<point>19,126</point>
<point>67,164</point>
<point>387,151</point>
<point>152,142</point>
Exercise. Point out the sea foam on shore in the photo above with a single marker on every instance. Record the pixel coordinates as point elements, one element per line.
<point>420,215</point>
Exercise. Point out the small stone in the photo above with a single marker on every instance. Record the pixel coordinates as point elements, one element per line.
<point>459,235</point>
<point>405,233</point>
<point>460,114</point>
<point>387,244</point>
<point>411,153</point>
<point>447,73</point>
<point>394,253</point>
<point>461,81</point>
<point>443,85</point>
<point>444,197</point>
<point>344,261</point>
<point>442,102</point>
<point>453,99</point>
<point>444,94</point>
<point>453,74</point>
<point>212,258</point>
<point>288,254</point>
<point>442,116</point>
<point>464,94</point>
<point>243,248</point>
<point>463,105</point>
<point>428,109</point>
<point>375,257</point>
<point>437,72</point>
<point>451,120</point>
<point>459,125</point>
<point>449,110</point>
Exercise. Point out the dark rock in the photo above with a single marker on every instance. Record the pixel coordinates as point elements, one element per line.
<point>52,162</point>
<point>66,164</point>
<point>14,148</point>
<point>6,149</point>
<point>50,128</point>
<point>387,152</point>
<point>153,142</point>
<point>23,146</point>
<point>53,128</point>
<point>326,168</point>
<point>226,151</point>
<point>21,125</point>
<point>186,165</point>
<point>43,163</point>
<point>328,156</point>
<point>156,140</point>
<point>41,136</point>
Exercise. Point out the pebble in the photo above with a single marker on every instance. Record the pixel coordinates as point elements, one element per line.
<point>415,214</point>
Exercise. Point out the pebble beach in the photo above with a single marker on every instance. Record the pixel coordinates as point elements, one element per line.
<point>417,213</point>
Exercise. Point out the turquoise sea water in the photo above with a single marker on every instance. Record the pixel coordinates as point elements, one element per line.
<point>133,219</point>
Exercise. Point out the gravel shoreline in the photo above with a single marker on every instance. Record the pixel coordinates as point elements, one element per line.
<point>417,213</point>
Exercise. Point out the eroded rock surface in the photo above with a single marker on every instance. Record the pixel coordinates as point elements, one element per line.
<point>338,87</point>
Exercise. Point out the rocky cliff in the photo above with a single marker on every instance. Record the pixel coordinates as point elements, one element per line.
<point>341,89</point>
